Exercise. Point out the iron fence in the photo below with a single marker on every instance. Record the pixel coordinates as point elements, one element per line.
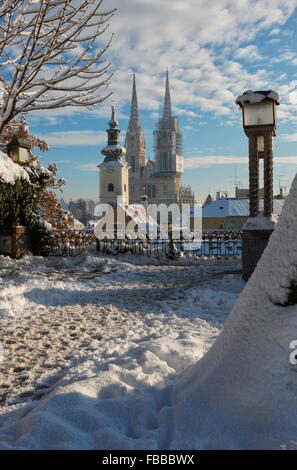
<point>211,244</point>
<point>70,242</point>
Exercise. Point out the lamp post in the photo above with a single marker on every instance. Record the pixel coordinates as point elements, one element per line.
<point>259,123</point>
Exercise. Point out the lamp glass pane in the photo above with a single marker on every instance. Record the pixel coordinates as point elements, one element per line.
<point>14,154</point>
<point>23,154</point>
<point>259,114</point>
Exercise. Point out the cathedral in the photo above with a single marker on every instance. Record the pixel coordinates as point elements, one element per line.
<point>159,179</point>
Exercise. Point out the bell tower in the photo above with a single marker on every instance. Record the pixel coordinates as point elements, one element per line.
<point>114,177</point>
<point>135,143</point>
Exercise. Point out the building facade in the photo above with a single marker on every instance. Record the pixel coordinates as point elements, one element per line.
<point>159,179</point>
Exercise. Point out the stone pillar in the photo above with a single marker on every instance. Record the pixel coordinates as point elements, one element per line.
<point>258,229</point>
<point>254,243</point>
<point>268,174</point>
<point>13,241</point>
<point>253,176</point>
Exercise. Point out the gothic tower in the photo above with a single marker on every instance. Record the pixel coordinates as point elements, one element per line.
<point>168,139</point>
<point>135,143</point>
<point>114,178</point>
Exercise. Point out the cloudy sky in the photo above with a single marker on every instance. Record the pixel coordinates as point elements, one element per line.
<point>214,50</point>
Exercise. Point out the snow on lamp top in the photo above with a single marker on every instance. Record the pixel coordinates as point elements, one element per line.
<point>253,97</point>
<point>258,108</point>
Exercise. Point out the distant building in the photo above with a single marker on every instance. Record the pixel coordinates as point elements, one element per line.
<point>159,178</point>
<point>231,213</point>
<point>245,192</point>
<point>77,224</point>
<point>221,194</point>
<point>82,209</point>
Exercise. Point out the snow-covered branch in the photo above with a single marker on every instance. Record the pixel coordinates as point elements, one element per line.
<point>52,55</point>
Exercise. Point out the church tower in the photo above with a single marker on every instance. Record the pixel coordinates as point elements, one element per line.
<point>114,177</point>
<point>168,139</point>
<point>135,143</point>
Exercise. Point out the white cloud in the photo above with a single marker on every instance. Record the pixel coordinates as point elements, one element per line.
<point>286,160</point>
<point>88,167</point>
<point>206,57</point>
<point>211,160</point>
<point>274,31</point>
<point>199,72</point>
<point>75,138</point>
<point>288,137</point>
<point>249,53</point>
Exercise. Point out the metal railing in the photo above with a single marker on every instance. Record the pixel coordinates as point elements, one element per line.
<point>70,242</point>
<point>212,244</point>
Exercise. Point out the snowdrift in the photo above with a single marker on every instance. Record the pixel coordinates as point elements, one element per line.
<point>243,393</point>
<point>10,171</point>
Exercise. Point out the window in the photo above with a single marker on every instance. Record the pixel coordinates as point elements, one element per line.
<point>110,188</point>
<point>125,188</point>
<point>153,190</point>
<point>132,164</point>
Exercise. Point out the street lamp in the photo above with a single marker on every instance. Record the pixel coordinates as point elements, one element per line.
<point>19,151</point>
<point>259,123</point>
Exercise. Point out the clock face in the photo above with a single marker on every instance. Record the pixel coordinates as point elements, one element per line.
<point>110,169</point>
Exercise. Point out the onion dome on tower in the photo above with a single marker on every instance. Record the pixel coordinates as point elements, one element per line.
<point>113,151</point>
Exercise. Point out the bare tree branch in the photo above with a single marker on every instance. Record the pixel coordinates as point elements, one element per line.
<point>50,55</point>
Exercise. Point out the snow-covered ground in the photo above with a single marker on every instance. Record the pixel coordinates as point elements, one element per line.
<point>93,344</point>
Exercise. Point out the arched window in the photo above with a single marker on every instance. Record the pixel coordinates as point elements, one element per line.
<point>110,188</point>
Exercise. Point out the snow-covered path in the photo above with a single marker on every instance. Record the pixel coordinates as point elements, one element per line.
<point>132,326</point>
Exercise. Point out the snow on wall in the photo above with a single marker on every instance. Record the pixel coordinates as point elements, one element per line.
<point>10,171</point>
<point>243,392</point>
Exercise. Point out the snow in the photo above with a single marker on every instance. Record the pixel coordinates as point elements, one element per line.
<point>10,171</point>
<point>242,394</point>
<point>92,343</point>
<point>250,96</point>
<point>119,353</point>
<point>236,207</point>
<point>260,223</point>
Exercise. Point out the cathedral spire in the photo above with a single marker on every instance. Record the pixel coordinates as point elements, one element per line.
<point>167,112</point>
<point>134,114</point>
